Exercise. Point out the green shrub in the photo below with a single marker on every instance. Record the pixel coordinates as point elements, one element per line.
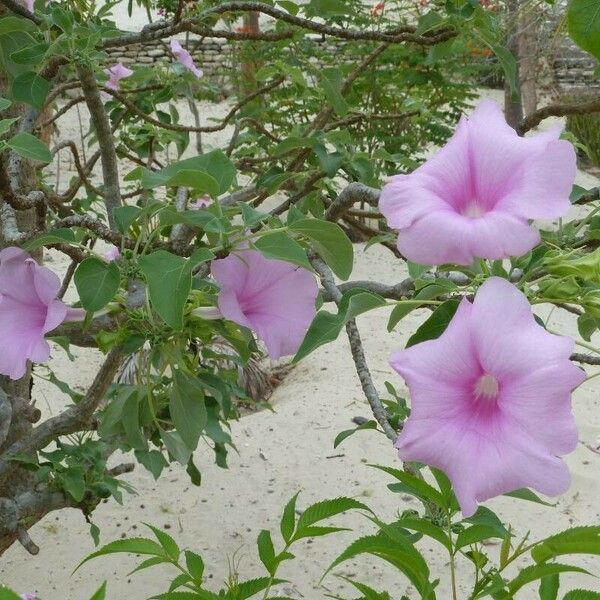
<point>586,128</point>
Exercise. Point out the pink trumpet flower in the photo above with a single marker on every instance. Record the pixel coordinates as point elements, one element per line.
<point>475,197</point>
<point>115,74</point>
<point>29,310</point>
<point>185,58</point>
<point>274,298</point>
<point>491,399</point>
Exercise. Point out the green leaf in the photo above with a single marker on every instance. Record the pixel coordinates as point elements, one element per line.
<point>97,282</point>
<point>153,460</point>
<point>176,446</point>
<point>215,164</point>
<point>527,494</point>
<point>280,246</point>
<point>342,435</point>
<point>330,242</point>
<point>10,24</point>
<point>428,292</point>
<point>31,55</point>
<point>187,408</point>
<point>136,545</point>
<point>536,572</point>
<point>100,593</point>
<point>28,146</point>
<point>326,326</point>
<point>399,553</point>
<point>413,485</point>
<point>266,551</point>
<point>288,519</point>
<point>195,565</point>
<point>327,509</point>
<point>476,534</point>
<point>436,324</point>
<point>427,528</point>
<point>584,25</point>
<point>549,587</point>
<point>6,594</point>
<point>31,89</point>
<point>577,540</point>
<point>169,279</point>
<point>5,125</point>
<point>509,65</point>
<point>4,104</point>
<point>581,595</point>
<point>167,542</point>
<point>54,236</point>
<point>125,217</point>
<point>200,182</point>
<point>74,483</point>
<point>332,89</point>
<point>246,589</point>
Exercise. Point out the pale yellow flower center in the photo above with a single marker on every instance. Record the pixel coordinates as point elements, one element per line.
<point>487,387</point>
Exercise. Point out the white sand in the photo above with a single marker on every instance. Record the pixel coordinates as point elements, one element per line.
<point>279,454</point>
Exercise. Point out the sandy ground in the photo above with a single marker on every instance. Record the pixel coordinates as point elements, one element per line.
<point>280,453</point>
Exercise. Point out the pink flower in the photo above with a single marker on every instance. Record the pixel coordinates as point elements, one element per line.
<point>185,58</point>
<point>28,596</point>
<point>490,399</point>
<point>112,253</point>
<point>202,202</point>
<point>29,5</point>
<point>115,74</point>
<point>474,198</point>
<point>274,298</point>
<point>28,310</point>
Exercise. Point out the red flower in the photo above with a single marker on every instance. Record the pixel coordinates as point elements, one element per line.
<point>378,9</point>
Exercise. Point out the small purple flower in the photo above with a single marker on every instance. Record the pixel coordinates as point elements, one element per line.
<point>274,298</point>
<point>29,6</point>
<point>185,58</point>
<point>115,74</point>
<point>202,202</point>
<point>29,310</point>
<point>112,253</point>
<point>28,596</point>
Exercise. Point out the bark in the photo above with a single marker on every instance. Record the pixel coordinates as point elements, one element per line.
<point>513,103</point>
<point>528,59</point>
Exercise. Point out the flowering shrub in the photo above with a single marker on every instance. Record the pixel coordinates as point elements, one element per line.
<point>186,270</point>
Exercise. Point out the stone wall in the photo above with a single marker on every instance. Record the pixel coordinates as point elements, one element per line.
<point>573,68</point>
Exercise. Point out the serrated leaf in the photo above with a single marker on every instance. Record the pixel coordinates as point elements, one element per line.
<point>288,519</point>
<point>577,540</point>
<point>476,534</point>
<point>166,541</point>
<point>537,572</point>
<point>266,551</point>
<point>327,509</point>
<point>195,565</point>
<point>136,545</point>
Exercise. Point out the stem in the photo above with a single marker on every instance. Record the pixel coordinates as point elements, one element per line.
<point>452,562</point>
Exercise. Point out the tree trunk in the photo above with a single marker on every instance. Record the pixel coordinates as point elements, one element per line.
<point>513,103</point>
<point>528,59</point>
